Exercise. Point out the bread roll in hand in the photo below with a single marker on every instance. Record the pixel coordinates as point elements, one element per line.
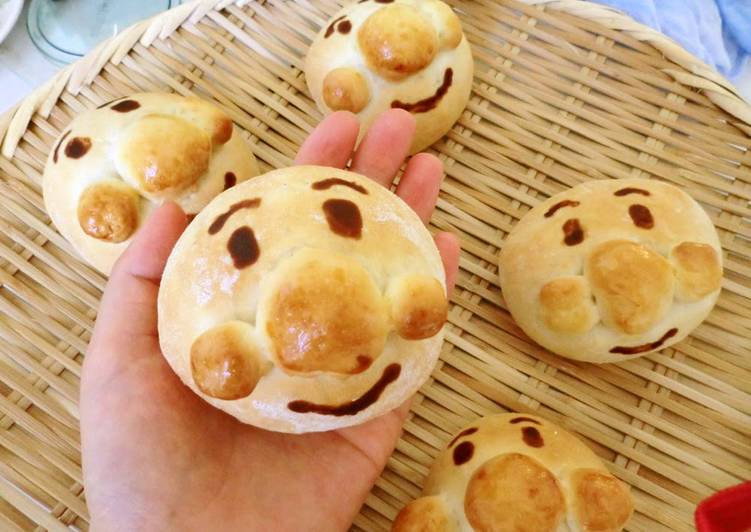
<point>306,299</point>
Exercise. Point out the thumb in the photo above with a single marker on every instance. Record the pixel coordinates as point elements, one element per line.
<point>128,308</point>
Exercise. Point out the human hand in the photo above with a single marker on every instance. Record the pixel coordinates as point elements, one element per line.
<point>157,457</point>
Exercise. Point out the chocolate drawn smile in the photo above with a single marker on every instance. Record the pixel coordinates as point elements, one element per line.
<point>635,350</point>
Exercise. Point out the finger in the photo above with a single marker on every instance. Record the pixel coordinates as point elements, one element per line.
<point>448,246</point>
<point>128,308</point>
<point>385,146</point>
<point>402,411</point>
<point>420,183</point>
<point>332,142</point>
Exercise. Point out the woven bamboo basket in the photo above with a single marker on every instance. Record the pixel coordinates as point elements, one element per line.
<point>564,91</point>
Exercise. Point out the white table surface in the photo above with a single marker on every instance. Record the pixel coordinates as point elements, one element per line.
<point>23,67</point>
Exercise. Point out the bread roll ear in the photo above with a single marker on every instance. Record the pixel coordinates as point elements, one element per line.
<point>601,501</point>
<point>345,89</point>
<point>566,305</point>
<point>517,472</point>
<point>226,362</point>
<point>426,514</point>
<point>418,306</point>
<point>112,165</point>
<point>109,211</point>
<point>698,270</point>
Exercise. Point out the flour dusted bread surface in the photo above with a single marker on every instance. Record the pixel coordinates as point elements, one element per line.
<point>612,269</point>
<point>112,165</point>
<point>411,54</point>
<point>521,473</point>
<point>306,299</point>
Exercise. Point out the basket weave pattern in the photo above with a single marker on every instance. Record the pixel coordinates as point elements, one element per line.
<point>565,91</point>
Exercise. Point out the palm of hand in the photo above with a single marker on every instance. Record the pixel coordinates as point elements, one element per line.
<point>174,457</point>
<point>157,457</point>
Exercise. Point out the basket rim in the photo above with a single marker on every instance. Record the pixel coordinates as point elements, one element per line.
<point>694,73</point>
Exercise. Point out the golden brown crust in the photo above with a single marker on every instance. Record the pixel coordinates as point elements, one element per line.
<point>602,503</point>
<point>108,211</point>
<point>697,270</point>
<point>418,306</point>
<point>164,153</point>
<point>397,41</point>
<point>566,306</point>
<point>224,361</point>
<point>513,492</point>
<point>345,89</point>
<point>326,315</point>
<point>633,285</point>
<point>426,514</point>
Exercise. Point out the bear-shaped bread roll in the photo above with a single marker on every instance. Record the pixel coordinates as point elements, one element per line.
<point>306,299</point>
<point>379,54</point>
<point>520,473</point>
<point>612,269</point>
<point>112,165</point>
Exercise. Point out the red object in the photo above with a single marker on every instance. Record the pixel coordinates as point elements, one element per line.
<point>728,510</point>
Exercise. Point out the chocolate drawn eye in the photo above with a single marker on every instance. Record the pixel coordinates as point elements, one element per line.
<point>641,216</point>
<point>243,247</point>
<point>230,180</point>
<point>343,217</point>
<point>77,147</point>
<point>463,452</point>
<point>532,437</point>
<point>573,233</point>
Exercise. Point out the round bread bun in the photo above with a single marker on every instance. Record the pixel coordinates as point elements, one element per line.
<point>306,299</point>
<point>411,54</point>
<point>112,165</point>
<point>517,472</point>
<point>612,269</point>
